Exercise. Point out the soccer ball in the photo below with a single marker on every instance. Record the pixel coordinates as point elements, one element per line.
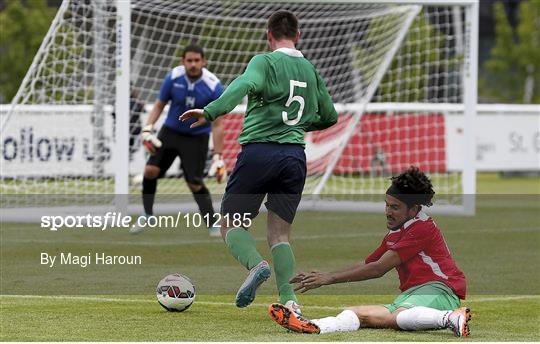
<point>175,292</point>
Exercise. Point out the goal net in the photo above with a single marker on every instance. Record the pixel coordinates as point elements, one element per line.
<point>401,75</point>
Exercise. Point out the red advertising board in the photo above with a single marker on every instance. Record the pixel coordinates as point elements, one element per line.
<point>392,142</point>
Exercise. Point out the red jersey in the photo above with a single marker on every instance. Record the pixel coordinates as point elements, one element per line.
<point>425,257</point>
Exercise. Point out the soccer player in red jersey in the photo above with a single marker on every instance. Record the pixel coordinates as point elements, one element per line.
<point>431,283</point>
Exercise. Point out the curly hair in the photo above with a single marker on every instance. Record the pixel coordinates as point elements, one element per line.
<point>413,187</point>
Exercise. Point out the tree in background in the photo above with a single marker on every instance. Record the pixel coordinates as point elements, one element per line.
<point>22,28</point>
<point>512,73</point>
<point>417,72</point>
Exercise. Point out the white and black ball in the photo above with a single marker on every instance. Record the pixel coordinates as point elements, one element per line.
<point>175,293</point>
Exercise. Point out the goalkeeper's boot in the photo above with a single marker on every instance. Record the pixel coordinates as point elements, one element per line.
<point>136,228</point>
<point>458,322</point>
<point>292,321</point>
<point>257,275</point>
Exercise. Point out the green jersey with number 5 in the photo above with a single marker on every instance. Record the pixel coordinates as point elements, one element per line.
<point>286,98</point>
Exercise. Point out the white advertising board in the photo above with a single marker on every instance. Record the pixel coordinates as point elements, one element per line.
<point>503,142</point>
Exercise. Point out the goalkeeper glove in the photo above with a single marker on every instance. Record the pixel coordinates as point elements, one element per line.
<point>218,168</point>
<point>150,142</point>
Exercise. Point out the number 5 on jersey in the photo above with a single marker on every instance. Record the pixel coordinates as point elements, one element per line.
<point>293,98</point>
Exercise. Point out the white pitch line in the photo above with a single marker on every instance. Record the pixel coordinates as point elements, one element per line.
<point>503,298</point>
<point>75,298</point>
<point>109,299</point>
<point>217,303</point>
<point>258,238</point>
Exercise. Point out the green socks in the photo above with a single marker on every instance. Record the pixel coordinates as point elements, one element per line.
<point>242,247</point>
<point>284,265</point>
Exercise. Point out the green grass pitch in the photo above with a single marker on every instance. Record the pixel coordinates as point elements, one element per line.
<point>498,249</point>
<point>215,318</point>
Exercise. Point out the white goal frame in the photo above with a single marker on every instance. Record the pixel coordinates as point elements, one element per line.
<point>470,82</point>
<point>468,107</point>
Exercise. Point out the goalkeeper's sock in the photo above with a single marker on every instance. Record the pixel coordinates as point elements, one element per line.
<point>242,247</point>
<point>204,201</point>
<point>149,187</point>
<point>284,264</point>
<point>343,322</point>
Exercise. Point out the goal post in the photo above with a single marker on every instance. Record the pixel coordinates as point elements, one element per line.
<point>123,74</point>
<point>401,73</point>
<point>470,88</point>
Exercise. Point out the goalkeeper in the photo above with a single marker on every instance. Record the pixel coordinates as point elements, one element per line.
<point>286,98</point>
<point>185,87</point>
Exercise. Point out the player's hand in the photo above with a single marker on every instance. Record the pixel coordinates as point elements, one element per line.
<point>313,280</point>
<point>301,275</point>
<point>298,277</point>
<point>218,168</point>
<point>194,113</point>
<point>150,142</point>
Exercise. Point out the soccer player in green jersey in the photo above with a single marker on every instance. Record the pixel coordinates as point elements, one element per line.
<point>286,98</point>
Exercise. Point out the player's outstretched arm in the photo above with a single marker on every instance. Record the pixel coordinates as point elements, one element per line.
<point>311,280</point>
<point>251,81</point>
<point>301,275</point>
<point>198,114</point>
<point>360,272</point>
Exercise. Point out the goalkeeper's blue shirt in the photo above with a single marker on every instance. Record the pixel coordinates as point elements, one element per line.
<point>185,95</point>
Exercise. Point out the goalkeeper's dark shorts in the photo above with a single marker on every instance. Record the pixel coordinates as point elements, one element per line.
<point>192,150</point>
<point>276,170</point>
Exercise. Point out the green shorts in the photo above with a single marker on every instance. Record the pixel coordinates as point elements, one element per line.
<point>433,295</point>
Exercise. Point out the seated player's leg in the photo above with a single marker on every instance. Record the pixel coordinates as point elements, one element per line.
<point>349,320</point>
<point>427,307</point>
<point>375,316</point>
<point>425,318</point>
<point>284,195</point>
<point>193,151</point>
<point>242,200</point>
<point>352,319</point>
<point>431,306</point>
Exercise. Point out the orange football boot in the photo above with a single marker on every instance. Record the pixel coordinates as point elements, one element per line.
<point>290,320</point>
